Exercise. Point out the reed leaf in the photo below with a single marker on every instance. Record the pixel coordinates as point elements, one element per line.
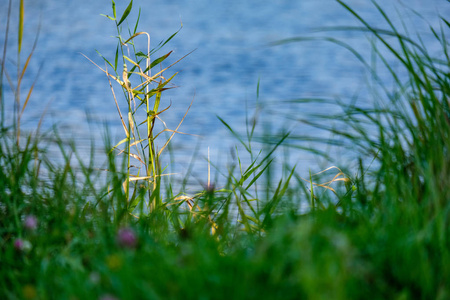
<point>21,22</point>
<point>126,13</point>
<point>158,61</point>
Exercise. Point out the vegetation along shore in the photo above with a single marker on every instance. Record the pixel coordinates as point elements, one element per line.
<point>378,228</point>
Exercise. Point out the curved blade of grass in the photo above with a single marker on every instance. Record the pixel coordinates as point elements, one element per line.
<point>259,174</point>
<point>176,130</point>
<point>234,133</point>
<point>104,58</point>
<point>404,60</point>
<point>378,30</point>
<point>118,144</point>
<point>135,35</point>
<point>161,44</point>
<point>109,17</point>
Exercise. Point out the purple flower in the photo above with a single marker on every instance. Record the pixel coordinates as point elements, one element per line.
<point>30,222</point>
<point>22,245</point>
<point>126,237</point>
<point>18,244</point>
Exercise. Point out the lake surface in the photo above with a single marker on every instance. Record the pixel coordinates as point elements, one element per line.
<point>230,39</point>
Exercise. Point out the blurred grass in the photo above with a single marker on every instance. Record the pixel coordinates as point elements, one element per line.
<point>382,235</point>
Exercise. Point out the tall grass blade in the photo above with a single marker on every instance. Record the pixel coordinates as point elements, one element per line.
<point>161,44</point>
<point>2,70</point>
<point>158,61</point>
<point>257,175</point>
<point>234,133</point>
<point>106,60</point>
<point>23,74</point>
<point>114,9</point>
<point>28,96</point>
<point>137,21</point>
<point>21,22</point>
<point>125,13</point>
<point>116,58</point>
<point>312,191</point>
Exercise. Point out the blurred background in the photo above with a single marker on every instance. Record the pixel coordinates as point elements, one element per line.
<point>232,53</point>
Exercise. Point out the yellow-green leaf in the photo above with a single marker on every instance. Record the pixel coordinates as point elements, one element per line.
<point>114,9</point>
<point>21,20</point>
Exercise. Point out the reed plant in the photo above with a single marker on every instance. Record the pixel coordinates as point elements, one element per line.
<point>132,70</point>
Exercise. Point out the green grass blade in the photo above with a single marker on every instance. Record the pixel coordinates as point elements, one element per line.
<point>249,171</point>
<point>312,190</point>
<point>257,89</point>
<point>272,205</point>
<point>126,13</point>
<point>283,138</point>
<point>137,21</point>
<point>244,219</point>
<point>109,17</point>
<point>160,45</point>
<point>21,21</point>
<point>106,60</point>
<point>119,143</point>
<point>114,9</point>
<point>234,133</point>
<point>446,22</point>
<point>158,61</point>
<point>259,174</point>
<point>135,202</point>
<point>116,58</point>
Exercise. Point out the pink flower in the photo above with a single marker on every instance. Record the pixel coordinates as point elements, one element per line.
<point>30,222</point>
<point>126,237</point>
<point>22,245</point>
<point>18,244</point>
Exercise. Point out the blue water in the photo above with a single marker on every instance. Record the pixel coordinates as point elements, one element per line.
<point>230,39</point>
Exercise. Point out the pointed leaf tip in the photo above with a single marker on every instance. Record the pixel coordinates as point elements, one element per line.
<point>126,13</point>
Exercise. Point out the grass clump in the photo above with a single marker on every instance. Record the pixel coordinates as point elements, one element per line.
<point>68,234</point>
